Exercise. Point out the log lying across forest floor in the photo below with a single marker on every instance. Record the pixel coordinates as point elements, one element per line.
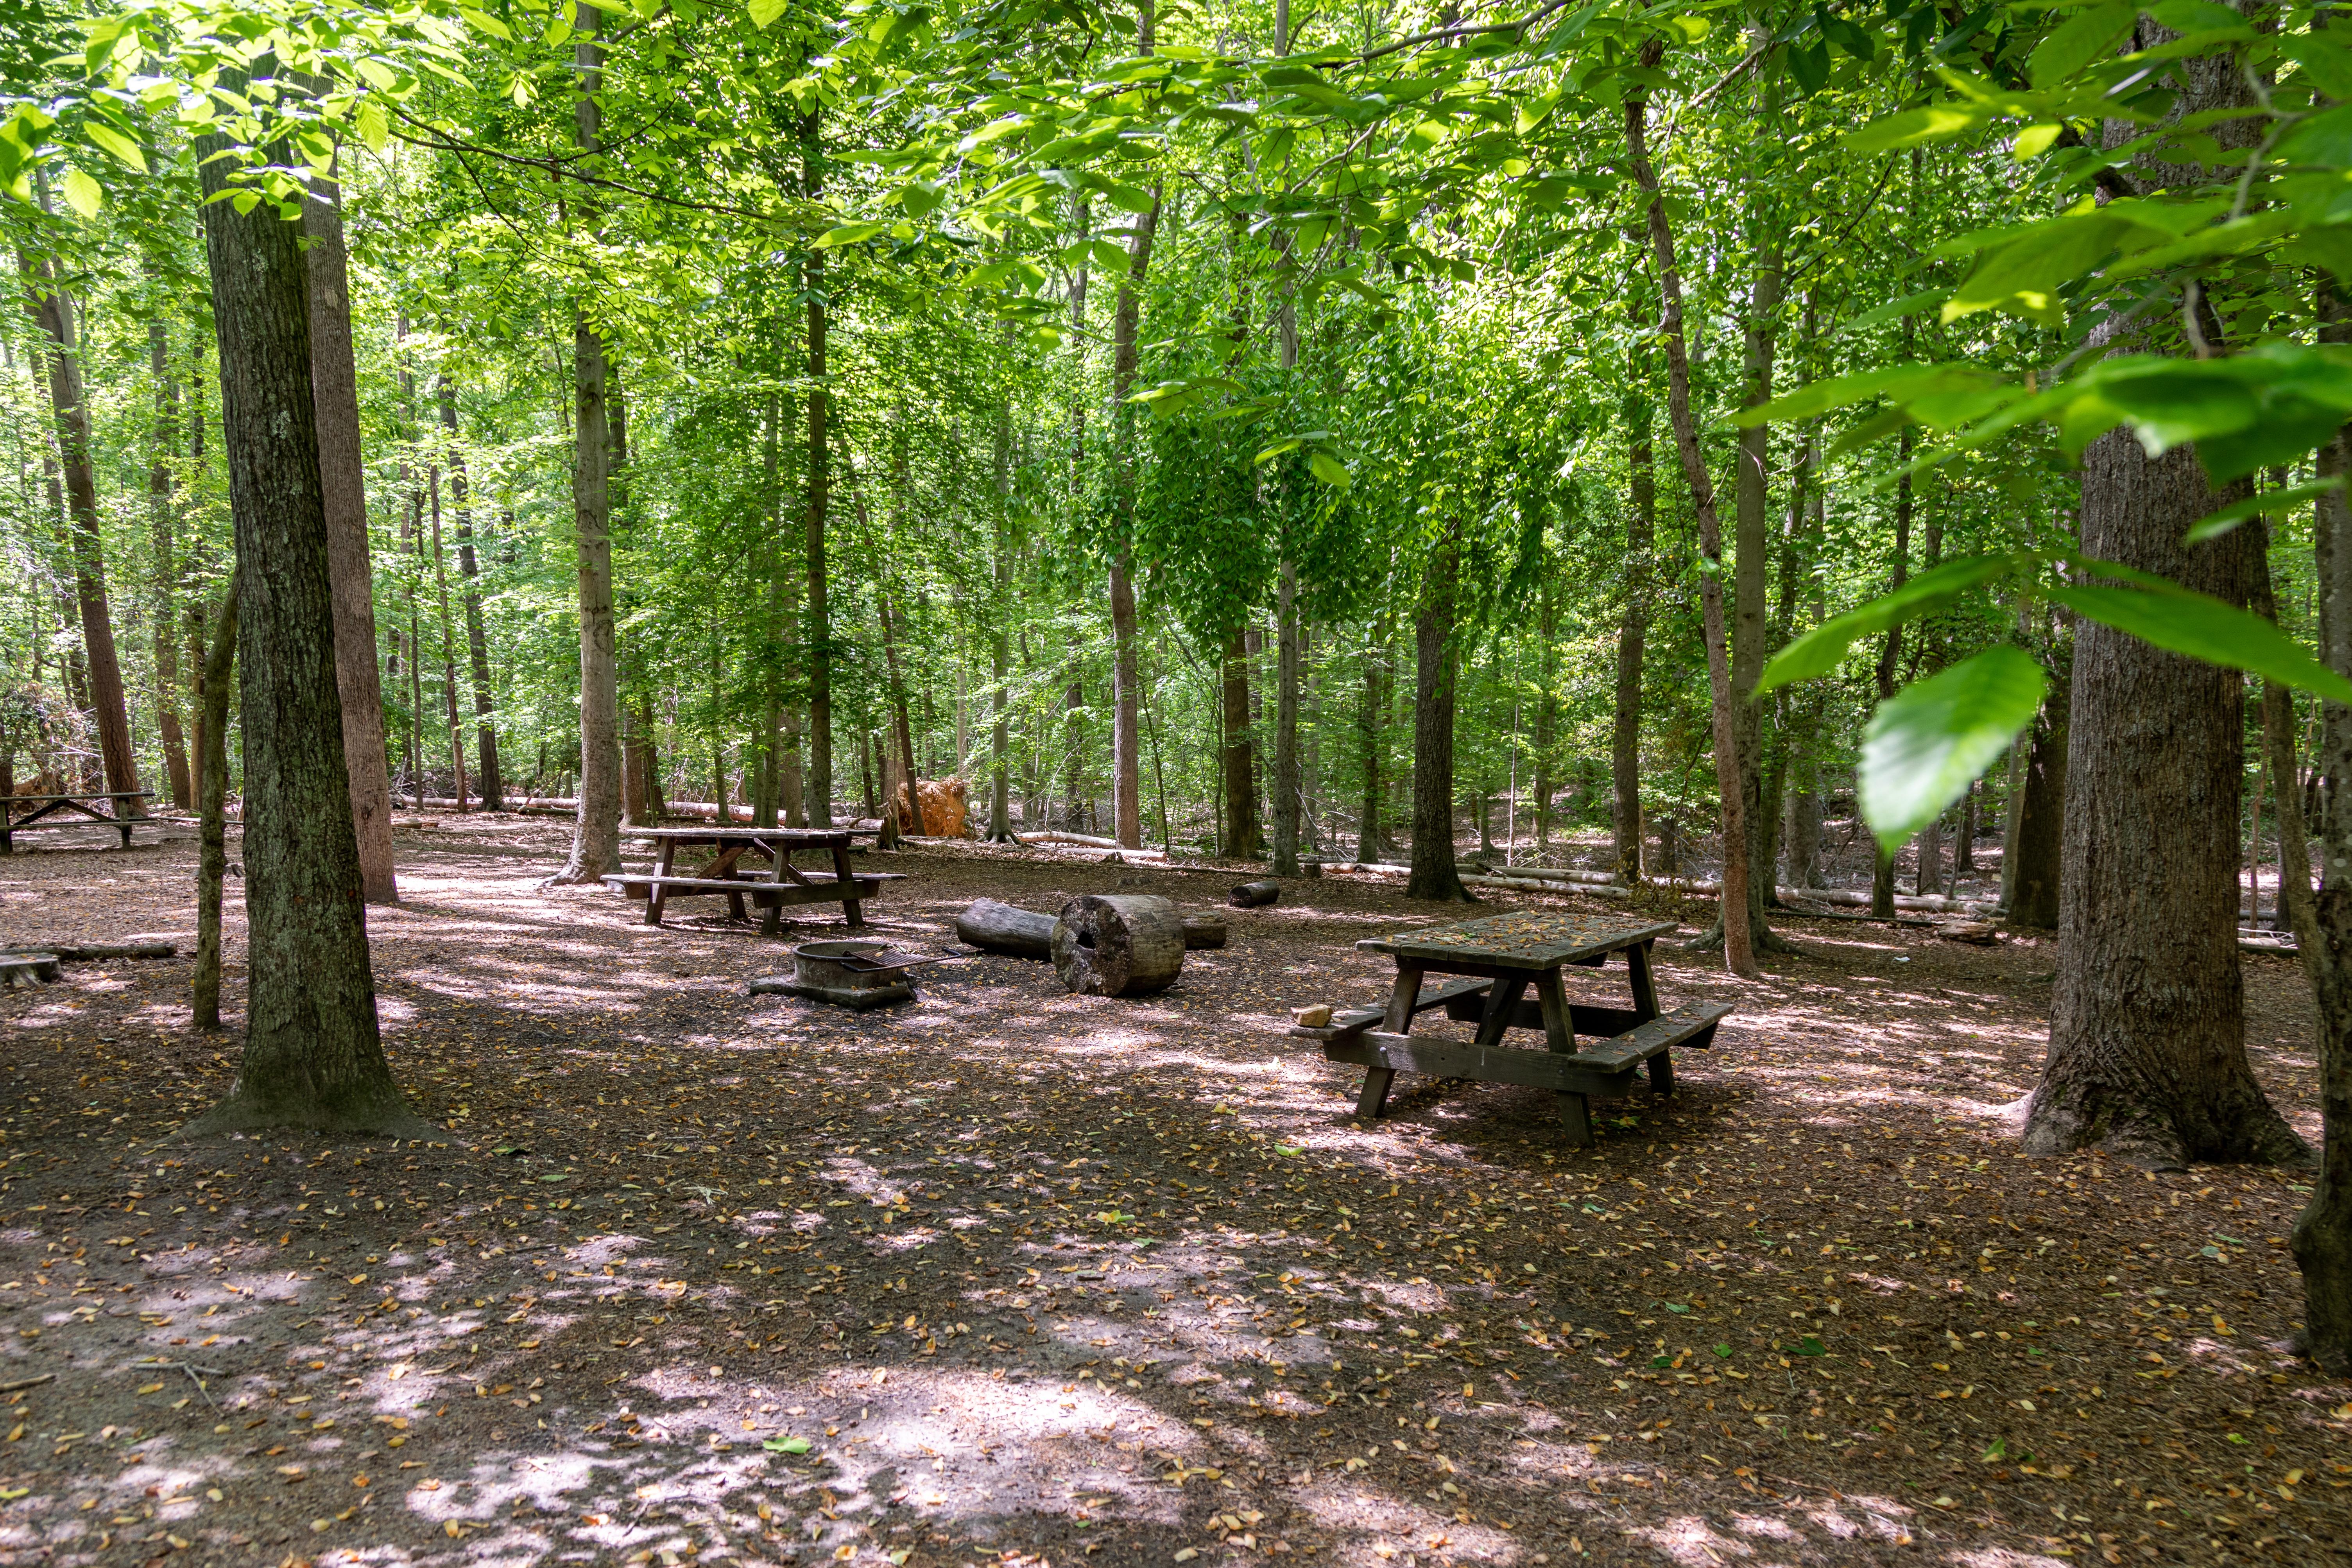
<point>995,927</point>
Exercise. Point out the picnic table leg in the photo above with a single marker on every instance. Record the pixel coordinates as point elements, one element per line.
<point>847,880</point>
<point>1645,986</point>
<point>124,829</point>
<point>1661,1073</point>
<point>1560,1035</point>
<point>1502,1000</point>
<point>772,918</point>
<point>1373,1099</point>
<point>654,894</point>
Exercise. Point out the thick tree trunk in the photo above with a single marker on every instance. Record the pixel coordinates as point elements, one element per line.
<point>1000,639</point>
<point>334,382</point>
<point>2279,756</point>
<point>212,809</point>
<point>1244,839</point>
<point>448,648</point>
<point>1543,783</point>
<point>1433,874</point>
<point>1371,842</point>
<point>1751,499</point>
<point>596,827</point>
<point>1739,952</point>
<point>2148,1051</point>
<point>477,647</point>
<point>52,310</point>
<point>161,501</point>
<point>312,1058</point>
<point>2321,1237</point>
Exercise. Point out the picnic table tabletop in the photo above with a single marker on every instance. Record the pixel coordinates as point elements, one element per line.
<point>83,795</point>
<point>1523,941</point>
<point>734,835</point>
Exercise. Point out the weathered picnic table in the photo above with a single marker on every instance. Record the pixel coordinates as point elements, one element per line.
<point>84,807</point>
<point>1504,955</point>
<point>783,884</point>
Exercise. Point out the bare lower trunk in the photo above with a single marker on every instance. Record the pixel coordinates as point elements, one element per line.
<point>1632,631</point>
<point>2279,757</point>
<point>477,647</point>
<point>2147,1052</point>
<point>161,502</point>
<point>1434,875</point>
<point>817,786</point>
<point>212,809</point>
<point>312,1057</point>
<point>1285,726</point>
<point>335,385</point>
<point>1244,838</point>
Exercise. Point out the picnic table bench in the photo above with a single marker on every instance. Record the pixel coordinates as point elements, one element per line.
<point>783,884</point>
<point>83,806</point>
<point>1502,956</point>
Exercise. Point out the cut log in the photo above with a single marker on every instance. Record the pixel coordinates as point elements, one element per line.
<point>1983,933</point>
<point>1125,944</point>
<point>114,950</point>
<point>1203,930</point>
<point>1000,928</point>
<point>1254,895</point>
<point>22,969</point>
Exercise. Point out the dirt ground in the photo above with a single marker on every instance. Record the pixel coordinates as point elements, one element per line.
<point>1007,1275</point>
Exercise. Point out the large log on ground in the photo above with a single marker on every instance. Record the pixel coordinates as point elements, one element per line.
<point>1122,944</point>
<point>1203,930</point>
<point>1254,895</point>
<point>1000,928</point>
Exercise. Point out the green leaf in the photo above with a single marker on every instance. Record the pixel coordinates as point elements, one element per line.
<point>850,234</point>
<point>1724,1351</point>
<point>1809,1345</point>
<point>1328,469</point>
<point>2083,37</point>
<point>786,1445</point>
<point>1995,1451</point>
<point>2204,627</point>
<point>106,139</point>
<point>2229,517</point>
<point>1823,648</point>
<point>1926,742</point>
<point>1936,122</point>
<point>84,194</point>
<point>1893,310</point>
<point>1674,1306</point>
<point>2325,61</point>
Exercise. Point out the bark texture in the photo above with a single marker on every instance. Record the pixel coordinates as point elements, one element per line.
<point>1122,944</point>
<point>2148,1051</point>
<point>161,502</point>
<point>312,1058</point>
<point>478,648</point>
<point>212,809</point>
<point>334,383</point>
<point>1434,874</point>
<point>2040,817</point>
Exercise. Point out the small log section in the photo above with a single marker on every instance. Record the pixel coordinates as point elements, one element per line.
<point>22,969</point>
<point>1122,944</point>
<point>994,927</point>
<point>1254,895</point>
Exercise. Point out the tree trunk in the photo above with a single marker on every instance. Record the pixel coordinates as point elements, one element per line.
<point>1372,843</point>
<point>1121,944</point>
<point>1547,707</point>
<point>2040,817</point>
<point>1738,953</point>
<point>2321,1237</point>
<point>1632,630</point>
<point>2147,1053</point>
<point>1433,875</point>
<point>448,646</point>
<point>1751,508</point>
<point>905,728</point>
<point>1244,839</point>
<point>1000,640</point>
<point>159,502</point>
<point>2294,913</point>
<point>312,1058</point>
<point>477,647</point>
<point>1285,725</point>
<point>1126,755</point>
<point>817,786</point>
<point>334,381</point>
<point>52,310</point>
<point>212,809</point>
<point>596,825</point>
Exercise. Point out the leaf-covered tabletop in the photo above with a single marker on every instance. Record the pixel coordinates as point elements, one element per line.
<point>1526,940</point>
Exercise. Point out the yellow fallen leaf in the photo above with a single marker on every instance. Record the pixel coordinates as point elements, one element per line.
<point>149,1387</point>
<point>396,1373</point>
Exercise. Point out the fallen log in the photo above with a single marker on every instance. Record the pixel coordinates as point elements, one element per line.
<point>111,950</point>
<point>994,927</point>
<point>1056,835</point>
<point>1119,944</point>
<point>1254,895</point>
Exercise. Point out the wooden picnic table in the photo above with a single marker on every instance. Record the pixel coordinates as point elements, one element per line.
<point>783,884</point>
<point>83,804</point>
<point>1502,956</point>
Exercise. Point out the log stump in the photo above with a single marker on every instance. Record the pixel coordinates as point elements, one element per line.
<point>1203,930</point>
<point>1254,895</point>
<point>22,969</point>
<point>994,927</point>
<point>1124,944</point>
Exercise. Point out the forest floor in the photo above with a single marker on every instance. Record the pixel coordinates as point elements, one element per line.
<point>1010,1276</point>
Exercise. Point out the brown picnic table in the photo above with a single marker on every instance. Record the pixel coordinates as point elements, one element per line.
<point>1500,958</point>
<point>81,807</point>
<point>783,884</point>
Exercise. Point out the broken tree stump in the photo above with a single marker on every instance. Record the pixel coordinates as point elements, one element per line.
<point>994,927</point>
<point>1254,895</point>
<point>1124,944</point>
<point>1203,930</point>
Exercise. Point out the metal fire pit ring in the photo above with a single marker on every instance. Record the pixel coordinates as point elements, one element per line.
<point>831,971</point>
